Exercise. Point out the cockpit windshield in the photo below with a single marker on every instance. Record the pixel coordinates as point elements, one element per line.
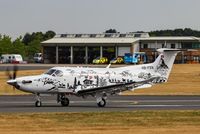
<point>50,71</point>
<point>54,72</point>
<point>58,73</point>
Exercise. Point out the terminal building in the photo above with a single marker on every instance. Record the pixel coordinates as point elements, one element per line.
<point>83,48</point>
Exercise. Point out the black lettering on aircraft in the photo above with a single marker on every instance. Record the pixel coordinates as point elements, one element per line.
<point>147,67</point>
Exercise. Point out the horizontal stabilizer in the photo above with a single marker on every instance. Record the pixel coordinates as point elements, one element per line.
<point>161,50</point>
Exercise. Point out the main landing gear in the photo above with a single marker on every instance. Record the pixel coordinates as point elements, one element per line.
<point>101,102</point>
<point>60,98</point>
<point>63,100</point>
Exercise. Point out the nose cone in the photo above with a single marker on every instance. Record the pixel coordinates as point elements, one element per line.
<point>12,82</point>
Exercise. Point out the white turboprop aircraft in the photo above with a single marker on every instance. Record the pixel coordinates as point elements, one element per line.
<point>97,82</point>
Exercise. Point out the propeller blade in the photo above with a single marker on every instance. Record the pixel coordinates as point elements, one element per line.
<point>8,73</point>
<point>15,69</point>
<point>12,77</point>
<point>13,88</point>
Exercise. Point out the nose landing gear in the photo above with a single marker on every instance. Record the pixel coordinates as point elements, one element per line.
<point>38,103</point>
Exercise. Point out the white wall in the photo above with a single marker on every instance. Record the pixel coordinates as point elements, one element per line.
<point>122,50</point>
<point>159,45</point>
<point>136,47</point>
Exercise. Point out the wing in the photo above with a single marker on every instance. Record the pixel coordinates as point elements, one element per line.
<point>116,88</point>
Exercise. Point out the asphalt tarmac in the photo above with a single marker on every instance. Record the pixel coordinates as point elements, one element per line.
<point>25,103</point>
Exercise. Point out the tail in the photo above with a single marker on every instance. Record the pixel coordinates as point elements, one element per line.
<point>164,62</point>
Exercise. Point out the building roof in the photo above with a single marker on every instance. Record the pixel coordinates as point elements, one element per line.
<point>90,40</point>
<point>116,38</point>
<point>171,38</point>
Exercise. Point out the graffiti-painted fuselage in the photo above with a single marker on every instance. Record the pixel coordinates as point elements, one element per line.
<point>97,82</point>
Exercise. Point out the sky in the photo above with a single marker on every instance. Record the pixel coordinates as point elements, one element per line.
<point>18,17</point>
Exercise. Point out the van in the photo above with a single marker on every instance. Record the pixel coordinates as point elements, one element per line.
<point>136,58</point>
<point>11,58</point>
<point>38,57</point>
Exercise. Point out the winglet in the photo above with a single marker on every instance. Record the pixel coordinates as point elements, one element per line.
<point>108,66</point>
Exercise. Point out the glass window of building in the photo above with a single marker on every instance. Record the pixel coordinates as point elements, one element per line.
<point>145,46</point>
<point>109,52</point>
<point>93,53</point>
<point>79,55</point>
<point>64,54</point>
<point>49,54</point>
<point>173,45</point>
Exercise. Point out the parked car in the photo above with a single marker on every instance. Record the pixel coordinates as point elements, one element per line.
<point>118,60</point>
<point>12,58</point>
<point>38,58</point>
<point>102,60</point>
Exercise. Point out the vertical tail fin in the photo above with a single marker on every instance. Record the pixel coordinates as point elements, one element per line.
<point>164,62</point>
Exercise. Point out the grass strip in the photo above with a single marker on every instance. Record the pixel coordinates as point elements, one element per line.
<point>101,121</point>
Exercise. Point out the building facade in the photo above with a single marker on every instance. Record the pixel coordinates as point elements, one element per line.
<point>83,48</point>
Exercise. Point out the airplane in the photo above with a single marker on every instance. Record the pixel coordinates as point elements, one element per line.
<point>96,82</point>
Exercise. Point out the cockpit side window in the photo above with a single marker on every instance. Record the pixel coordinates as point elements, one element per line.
<point>58,73</point>
<point>50,72</point>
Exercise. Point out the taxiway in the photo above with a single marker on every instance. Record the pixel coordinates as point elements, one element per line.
<point>25,103</point>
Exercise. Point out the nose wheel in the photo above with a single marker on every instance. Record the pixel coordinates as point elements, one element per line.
<point>38,102</point>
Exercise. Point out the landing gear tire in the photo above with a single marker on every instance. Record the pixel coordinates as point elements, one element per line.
<point>38,103</point>
<point>65,102</point>
<point>102,103</point>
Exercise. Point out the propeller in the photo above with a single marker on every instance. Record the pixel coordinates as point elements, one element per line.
<point>12,77</point>
<point>14,74</point>
<point>15,69</point>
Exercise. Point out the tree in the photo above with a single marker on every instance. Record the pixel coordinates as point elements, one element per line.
<point>176,32</point>
<point>5,45</point>
<point>188,32</point>
<point>26,39</point>
<point>49,35</point>
<point>111,31</point>
<point>18,47</point>
<point>37,36</point>
<point>27,46</point>
<point>33,47</point>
